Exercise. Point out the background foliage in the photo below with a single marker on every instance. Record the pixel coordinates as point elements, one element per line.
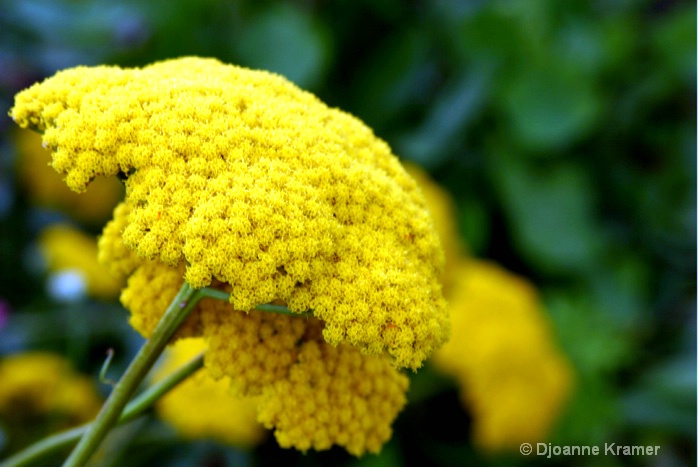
<point>565,131</point>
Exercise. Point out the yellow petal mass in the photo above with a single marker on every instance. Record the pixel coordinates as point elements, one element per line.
<point>238,180</point>
<point>252,182</point>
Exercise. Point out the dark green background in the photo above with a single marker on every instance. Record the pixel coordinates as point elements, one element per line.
<point>565,130</point>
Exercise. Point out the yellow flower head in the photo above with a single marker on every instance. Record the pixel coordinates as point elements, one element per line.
<point>251,182</point>
<point>201,407</point>
<point>238,180</point>
<point>512,377</point>
<point>40,388</point>
<point>67,249</point>
<point>45,188</point>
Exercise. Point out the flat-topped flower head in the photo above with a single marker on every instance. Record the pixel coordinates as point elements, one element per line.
<point>247,180</point>
<point>239,181</point>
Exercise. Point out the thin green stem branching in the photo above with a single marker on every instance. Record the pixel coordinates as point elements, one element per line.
<point>216,294</point>
<point>177,311</point>
<point>105,366</point>
<point>113,411</point>
<point>134,409</point>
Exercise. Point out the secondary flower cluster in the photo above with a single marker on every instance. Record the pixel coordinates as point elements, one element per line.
<point>237,179</point>
<point>512,377</point>
<point>41,393</point>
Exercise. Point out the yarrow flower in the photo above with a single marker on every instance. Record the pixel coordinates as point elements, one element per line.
<point>238,180</point>
<point>513,379</point>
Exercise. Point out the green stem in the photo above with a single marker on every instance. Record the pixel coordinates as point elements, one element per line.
<point>135,408</point>
<point>92,434</point>
<point>268,307</point>
<point>176,313</point>
<point>147,398</point>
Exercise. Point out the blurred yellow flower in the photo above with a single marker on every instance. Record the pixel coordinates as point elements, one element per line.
<point>238,180</point>
<point>201,407</point>
<point>512,377</point>
<point>65,248</point>
<point>442,210</point>
<point>40,393</point>
<point>45,188</point>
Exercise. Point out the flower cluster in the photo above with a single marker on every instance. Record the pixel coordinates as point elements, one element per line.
<point>41,393</point>
<point>512,378</point>
<point>313,393</point>
<point>238,180</point>
<point>211,410</point>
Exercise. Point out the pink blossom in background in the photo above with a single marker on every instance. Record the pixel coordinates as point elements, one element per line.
<point>4,312</point>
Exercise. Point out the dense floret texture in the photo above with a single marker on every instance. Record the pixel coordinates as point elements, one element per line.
<point>249,181</point>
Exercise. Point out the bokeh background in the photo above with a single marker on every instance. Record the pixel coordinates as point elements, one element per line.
<point>564,132</point>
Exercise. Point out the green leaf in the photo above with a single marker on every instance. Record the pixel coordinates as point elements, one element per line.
<point>459,103</point>
<point>548,109</point>
<point>665,398</point>
<point>395,79</point>
<point>504,33</point>
<point>619,287</point>
<point>287,40</point>
<point>592,417</point>
<point>549,212</point>
<point>675,44</point>
<point>593,340</point>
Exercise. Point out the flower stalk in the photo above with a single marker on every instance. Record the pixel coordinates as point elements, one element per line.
<point>91,434</point>
<point>134,409</point>
<point>186,299</point>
